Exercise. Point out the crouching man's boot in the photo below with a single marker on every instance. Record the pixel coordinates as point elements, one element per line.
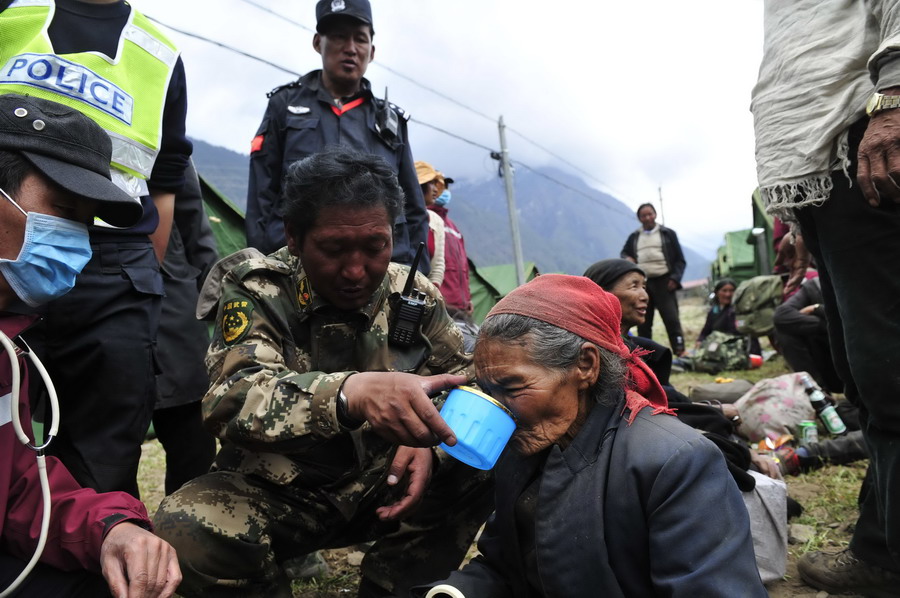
<point>843,572</point>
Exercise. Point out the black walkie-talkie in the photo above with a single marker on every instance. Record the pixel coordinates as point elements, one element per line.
<point>409,309</point>
<point>386,122</point>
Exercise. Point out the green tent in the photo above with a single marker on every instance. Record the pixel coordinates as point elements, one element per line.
<point>225,218</point>
<point>489,284</point>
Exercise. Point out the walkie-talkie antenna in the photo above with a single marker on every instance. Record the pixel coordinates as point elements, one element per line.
<point>412,269</point>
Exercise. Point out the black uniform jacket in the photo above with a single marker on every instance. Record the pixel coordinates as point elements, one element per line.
<point>301,120</point>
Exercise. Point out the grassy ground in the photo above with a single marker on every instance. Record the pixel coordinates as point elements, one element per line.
<point>827,495</point>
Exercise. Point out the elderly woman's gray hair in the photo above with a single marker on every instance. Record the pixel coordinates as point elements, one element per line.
<point>554,348</point>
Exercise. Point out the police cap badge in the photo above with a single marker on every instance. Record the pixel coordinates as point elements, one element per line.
<point>327,10</point>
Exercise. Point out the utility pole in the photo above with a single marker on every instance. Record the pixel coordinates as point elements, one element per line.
<point>662,216</point>
<point>511,205</point>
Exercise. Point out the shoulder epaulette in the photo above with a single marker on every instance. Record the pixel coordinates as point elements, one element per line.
<point>292,84</point>
<point>256,264</point>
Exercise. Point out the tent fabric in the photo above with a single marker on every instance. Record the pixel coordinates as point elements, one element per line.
<point>225,218</point>
<point>489,284</point>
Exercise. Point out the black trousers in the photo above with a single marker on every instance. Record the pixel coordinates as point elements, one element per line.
<point>810,354</point>
<point>181,342</point>
<point>857,249</point>
<point>190,447</point>
<point>98,344</point>
<point>666,302</point>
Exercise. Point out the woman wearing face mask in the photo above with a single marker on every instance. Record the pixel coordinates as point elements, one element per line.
<point>454,284</point>
<point>721,312</point>
<point>428,180</point>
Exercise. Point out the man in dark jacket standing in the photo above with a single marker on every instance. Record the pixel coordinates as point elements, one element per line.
<point>333,106</point>
<point>657,251</point>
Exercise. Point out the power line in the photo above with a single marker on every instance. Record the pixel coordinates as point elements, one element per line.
<point>415,120</point>
<point>447,98</point>
<point>384,66</point>
<point>289,71</point>
<point>445,132</point>
<point>225,46</point>
<point>561,159</point>
<point>279,15</point>
<point>437,93</point>
<point>569,187</point>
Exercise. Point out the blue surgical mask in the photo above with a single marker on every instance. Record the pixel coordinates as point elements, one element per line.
<point>444,198</point>
<point>54,252</point>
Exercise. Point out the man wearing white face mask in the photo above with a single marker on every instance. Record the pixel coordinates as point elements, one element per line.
<point>54,177</point>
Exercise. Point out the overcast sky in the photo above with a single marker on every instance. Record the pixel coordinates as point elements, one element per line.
<point>635,95</point>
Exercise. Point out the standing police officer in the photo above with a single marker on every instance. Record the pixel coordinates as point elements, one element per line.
<point>332,106</point>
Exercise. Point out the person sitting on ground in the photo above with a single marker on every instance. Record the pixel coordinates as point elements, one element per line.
<point>322,403</point>
<point>454,283</point>
<point>721,314</point>
<point>54,177</point>
<point>625,280</point>
<point>601,491</point>
<point>802,332</point>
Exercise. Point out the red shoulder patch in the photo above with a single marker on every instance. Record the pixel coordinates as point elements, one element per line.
<point>257,143</point>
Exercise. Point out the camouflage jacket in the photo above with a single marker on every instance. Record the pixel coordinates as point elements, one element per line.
<point>277,361</point>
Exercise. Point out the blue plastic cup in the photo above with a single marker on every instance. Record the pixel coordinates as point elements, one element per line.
<point>481,424</point>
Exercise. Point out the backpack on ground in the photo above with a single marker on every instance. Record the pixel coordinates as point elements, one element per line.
<point>755,301</point>
<point>722,351</point>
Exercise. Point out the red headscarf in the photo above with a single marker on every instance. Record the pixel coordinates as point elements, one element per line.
<point>577,304</point>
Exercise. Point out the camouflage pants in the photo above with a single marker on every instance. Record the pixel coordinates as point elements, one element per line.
<point>232,531</point>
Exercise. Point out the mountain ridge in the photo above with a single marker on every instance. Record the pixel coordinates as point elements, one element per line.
<point>546,201</point>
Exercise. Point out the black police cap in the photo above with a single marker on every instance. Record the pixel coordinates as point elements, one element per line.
<point>328,10</point>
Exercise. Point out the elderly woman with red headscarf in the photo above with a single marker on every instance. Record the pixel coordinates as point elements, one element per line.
<point>601,491</point>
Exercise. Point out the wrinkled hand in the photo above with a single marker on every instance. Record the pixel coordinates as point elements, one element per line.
<point>137,564</point>
<point>398,407</point>
<point>731,412</point>
<point>766,465</point>
<point>878,172</point>
<point>413,466</point>
<point>799,262</point>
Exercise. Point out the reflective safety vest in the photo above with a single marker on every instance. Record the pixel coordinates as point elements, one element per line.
<point>124,94</point>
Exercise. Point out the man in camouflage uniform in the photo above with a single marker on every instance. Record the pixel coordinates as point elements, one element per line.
<point>311,400</point>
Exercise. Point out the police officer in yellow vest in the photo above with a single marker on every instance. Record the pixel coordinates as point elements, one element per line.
<point>108,61</point>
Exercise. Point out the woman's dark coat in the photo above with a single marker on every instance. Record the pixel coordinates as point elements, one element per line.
<point>639,510</point>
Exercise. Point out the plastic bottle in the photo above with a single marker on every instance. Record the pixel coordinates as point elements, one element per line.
<point>825,410</point>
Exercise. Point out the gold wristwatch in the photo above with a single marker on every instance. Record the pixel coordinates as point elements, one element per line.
<point>880,101</point>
